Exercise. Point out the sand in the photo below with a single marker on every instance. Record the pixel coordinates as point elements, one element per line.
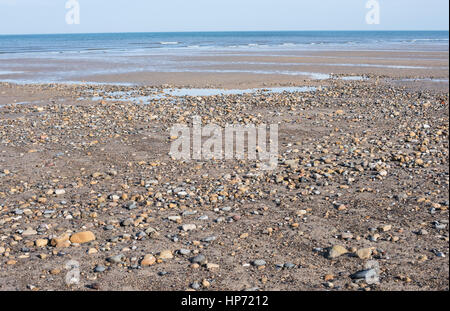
<point>362,164</point>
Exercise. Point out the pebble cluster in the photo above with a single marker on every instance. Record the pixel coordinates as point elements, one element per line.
<point>362,177</point>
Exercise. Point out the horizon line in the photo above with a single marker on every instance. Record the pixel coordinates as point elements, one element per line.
<point>218,31</point>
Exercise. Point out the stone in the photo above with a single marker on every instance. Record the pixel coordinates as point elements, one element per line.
<point>184,252</point>
<point>386,228</point>
<point>195,285</point>
<point>369,275</point>
<point>62,241</point>
<point>383,173</point>
<point>346,236</point>
<point>29,232</point>
<point>174,218</point>
<point>92,251</point>
<point>422,232</point>
<point>165,254</point>
<point>41,242</point>
<point>116,259</point>
<point>209,239</point>
<point>82,237</point>
<point>212,266</point>
<point>199,259</point>
<point>149,260</point>
<point>259,262</point>
<point>188,227</point>
<point>336,251</point>
<point>60,191</point>
<point>364,253</point>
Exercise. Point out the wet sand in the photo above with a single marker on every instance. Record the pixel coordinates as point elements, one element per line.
<point>228,69</point>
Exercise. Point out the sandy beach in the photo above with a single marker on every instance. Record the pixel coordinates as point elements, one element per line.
<point>362,175</point>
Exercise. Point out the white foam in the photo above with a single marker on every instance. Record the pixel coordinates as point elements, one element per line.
<point>169,43</point>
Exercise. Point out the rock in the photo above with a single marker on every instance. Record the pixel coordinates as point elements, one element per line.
<point>346,236</point>
<point>99,269</point>
<point>369,275</point>
<point>289,265</point>
<point>82,237</point>
<point>336,251</point>
<point>127,222</point>
<point>41,242</point>
<point>383,173</point>
<point>293,164</point>
<point>422,232</point>
<point>2,250</point>
<point>386,228</point>
<point>165,254</point>
<point>60,191</point>
<point>130,205</point>
<point>212,266</point>
<point>148,260</point>
<point>184,252</point>
<point>62,241</point>
<point>206,283</point>
<point>259,262</point>
<point>116,259</point>
<point>174,218</point>
<point>364,253</point>
<point>199,259</point>
<point>209,239</point>
<point>29,232</point>
<point>188,227</point>
<point>195,285</point>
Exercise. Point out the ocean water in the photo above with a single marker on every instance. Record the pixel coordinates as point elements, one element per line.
<point>282,40</point>
<point>74,57</point>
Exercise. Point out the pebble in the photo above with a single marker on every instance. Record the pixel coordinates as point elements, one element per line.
<point>116,259</point>
<point>184,252</point>
<point>259,262</point>
<point>188,227</point>
<point>369,275</point>
<point>364,253</point>
<point>195,285</point>
<point>199,259</point>
<point>29,232</point>
<point>148,260</point>
<point>336,251</point>
<point>99,269</point>
<point>41,242</point>
<point>60,191</point>
<point>165,254</point>
<point>82,237</point>
<point>330,173</point>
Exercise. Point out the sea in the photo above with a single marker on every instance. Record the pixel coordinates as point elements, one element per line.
<point>63,57</point>
<point>139,42</point>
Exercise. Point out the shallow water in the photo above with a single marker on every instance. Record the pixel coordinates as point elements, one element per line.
<point>353,78</point>
<point>167,93</point>
<point>426,80</point>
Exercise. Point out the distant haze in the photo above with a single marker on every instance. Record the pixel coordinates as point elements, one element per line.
<point>97,16</point>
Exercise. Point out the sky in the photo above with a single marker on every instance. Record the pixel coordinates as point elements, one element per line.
<point>49,16</point>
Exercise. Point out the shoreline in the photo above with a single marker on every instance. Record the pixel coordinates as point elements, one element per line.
<point>229,70</point>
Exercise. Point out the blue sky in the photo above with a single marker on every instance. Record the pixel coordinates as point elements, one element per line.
<point>48,16</point>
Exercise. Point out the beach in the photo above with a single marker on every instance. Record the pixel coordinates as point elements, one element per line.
<point>360,184</point>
